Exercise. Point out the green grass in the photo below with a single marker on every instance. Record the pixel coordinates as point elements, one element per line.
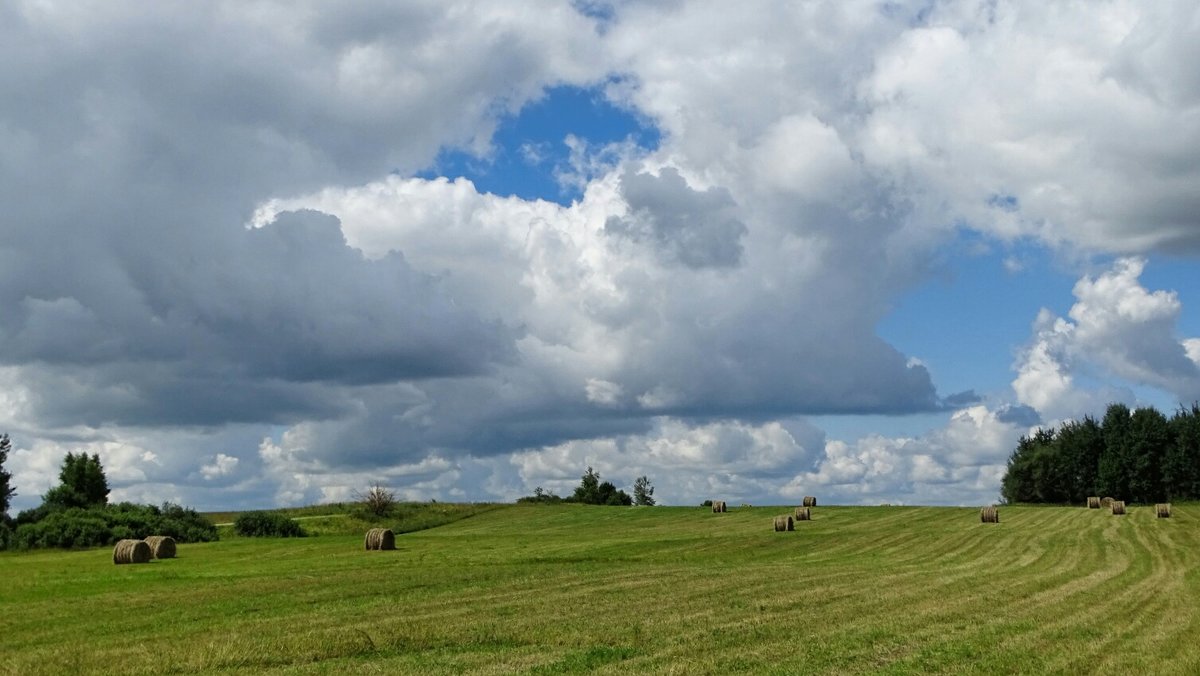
<point>350,519</point>
<point>577,589</point>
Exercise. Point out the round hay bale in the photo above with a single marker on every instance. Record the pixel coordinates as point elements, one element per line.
<point>719,506</point>
<point>1094,502</point>
<point>1118,507</point>
<point>131,551</point>
<point>1163,510</point>
<point>379,539</point>
<point>989,514</point>
<point>803,514</point>
<point>783,523</point>
<point>161,546</point>
<point>810,501</point>
<point>1106,502</point>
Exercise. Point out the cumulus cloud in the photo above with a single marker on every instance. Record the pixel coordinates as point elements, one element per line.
<point>222,465</point>
<point>959,463</point>
<point>685,226</point>
<point>813,160</point>
<point>1117,327</point>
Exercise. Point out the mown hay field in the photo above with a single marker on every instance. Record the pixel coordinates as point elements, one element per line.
<point>570,589</point>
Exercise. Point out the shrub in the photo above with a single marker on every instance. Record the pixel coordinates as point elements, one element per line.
<point>377,501</point>
<point>68,528</point>
<point>267,524</point>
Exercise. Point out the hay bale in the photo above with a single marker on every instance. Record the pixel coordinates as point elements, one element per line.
<point>379,539</point>
<point>989,514</point>
<point>1118,507</point>
<point>131,551</point>
<point>784,523</point>
<point>718,506</point>
<point>1106,503</point>
<point>810,501</point>
<point>1094,502</point>
<point>803,514</point>
<point>161,546</point>
<point>1163,510</point>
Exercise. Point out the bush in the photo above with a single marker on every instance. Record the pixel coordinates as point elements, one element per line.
<point>377,501</point>
<point>5,536</point>
<point>99,526</point>
<point>185,525</point>
<point>267,524</point>
<point>68,528</point>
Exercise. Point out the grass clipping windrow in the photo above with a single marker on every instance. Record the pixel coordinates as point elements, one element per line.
<point>161,546</point>
<point>989,514</point>
<point>131,551</point>
<point>783,523</point>
<point>380,539</point>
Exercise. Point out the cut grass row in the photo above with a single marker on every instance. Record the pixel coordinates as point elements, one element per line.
<point>350,519</point>
<point>570,589</point>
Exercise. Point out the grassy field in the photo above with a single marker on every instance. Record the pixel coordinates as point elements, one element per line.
<point>569,589</point>
<point>349,519</point>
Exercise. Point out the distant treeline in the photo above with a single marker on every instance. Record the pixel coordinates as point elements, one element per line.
<point>1139,456</point>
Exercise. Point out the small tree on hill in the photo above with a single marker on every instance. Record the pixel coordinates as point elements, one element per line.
<point>6,489</point>
<point>643,492</point>
<point>591,491</point>
<point>378,500</point>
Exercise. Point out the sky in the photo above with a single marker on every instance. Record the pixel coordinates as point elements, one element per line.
<point>259,254</point>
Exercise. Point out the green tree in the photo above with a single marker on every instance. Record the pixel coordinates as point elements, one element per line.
<point>588,490</point>
<point>1116,465</point>
<point>1081,443</point>
<point>82,483</point>
<point>6,489</point>
<point>643,492</point>
<point>1037,471</point>
<point>591,491</point>
<point>1181,462</point>
<point>1149,439</point>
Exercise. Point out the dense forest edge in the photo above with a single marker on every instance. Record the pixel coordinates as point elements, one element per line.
<point>1137,456</point>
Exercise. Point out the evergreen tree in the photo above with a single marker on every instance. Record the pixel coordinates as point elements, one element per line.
<point>588,490</point>
<point>1081,443</point>
<point>83,483</point>
<point>591,491</point>
<point>1181,462</point>
<point>6,489</point>
<point>1115,465</point>
<point>1149,438</point>
<point>643,492</point>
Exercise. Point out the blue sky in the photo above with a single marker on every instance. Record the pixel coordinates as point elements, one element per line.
<point>464,249</point>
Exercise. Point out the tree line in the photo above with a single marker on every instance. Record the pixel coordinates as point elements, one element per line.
<point>1136,456</point>
<point>592,491</point>
<point>76,512</point>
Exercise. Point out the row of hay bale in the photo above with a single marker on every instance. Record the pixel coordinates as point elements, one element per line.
<point>1162,510</point>
<point>786,523</point>
<point>141,551</point>
<point>380,539</point>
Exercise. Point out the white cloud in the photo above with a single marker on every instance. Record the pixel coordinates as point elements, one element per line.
<point>222,465</point>
<point>813,160</point>
<point>1116,329</point>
